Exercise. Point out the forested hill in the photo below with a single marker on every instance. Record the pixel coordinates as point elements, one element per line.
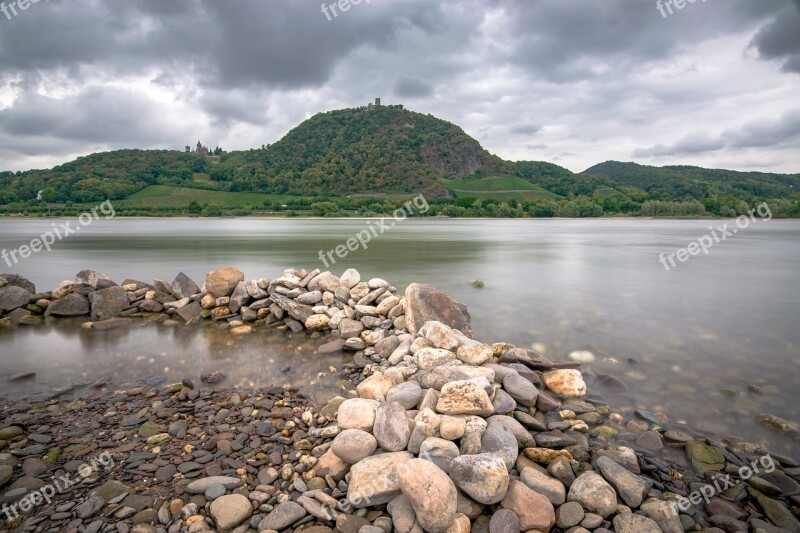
<point>698,182</point>
<point>376,149</point>
<point>360,160</point>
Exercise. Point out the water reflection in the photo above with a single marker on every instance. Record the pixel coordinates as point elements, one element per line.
<point>62,354</point>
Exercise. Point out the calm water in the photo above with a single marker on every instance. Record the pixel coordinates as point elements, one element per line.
<point>687,342</point>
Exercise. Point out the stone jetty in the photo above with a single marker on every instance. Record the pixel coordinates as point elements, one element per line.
<point>441,432</point>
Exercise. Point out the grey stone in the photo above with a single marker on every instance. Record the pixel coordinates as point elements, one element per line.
<point>407,394</point>
<point>631,488</point>
<point>200,486</point>
<point>391,428</point>
<point>499,439</point>
<point>593,493</point>
<point>522,390</point>
<point>89,508</point>
<point>550,487</point>
<point>438,451</point>
<point>353,445</point>
<point>484,477</point>
<point>634,523</point>
<point>13,297</point>
<point>183,287</point>
<point>425,303</point>
<point>504,521</point>
<point>72,304</point>
<point>284,515</point>
<point>108,303</point>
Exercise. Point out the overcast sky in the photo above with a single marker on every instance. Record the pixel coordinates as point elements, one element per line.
<point>575,82</point>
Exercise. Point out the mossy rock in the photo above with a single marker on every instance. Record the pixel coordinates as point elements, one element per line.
<point>11,432</point>
<point>173,387</point>
<point>704,457</point>
<point>148,429</point>
<point>157,438</point>
<point>52,456</point>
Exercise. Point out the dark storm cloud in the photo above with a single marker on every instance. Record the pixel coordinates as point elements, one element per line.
<point>412,88</point>
<point>780,39</point>
<point>496,67</point>
<point>579,39</point>
<point>94,115</point>
<point>238,43</point>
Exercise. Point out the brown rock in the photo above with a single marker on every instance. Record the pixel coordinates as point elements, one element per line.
<point>222,282</point>
<point>534,510</point>
<point>424,303</point>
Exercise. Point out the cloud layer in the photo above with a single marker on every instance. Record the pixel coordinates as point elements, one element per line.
<point>575,83</point>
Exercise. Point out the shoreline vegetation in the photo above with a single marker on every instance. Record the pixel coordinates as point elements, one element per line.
<point>438,432</point>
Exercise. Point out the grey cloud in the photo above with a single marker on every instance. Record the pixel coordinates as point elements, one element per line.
<point>96,116</point>
<point>755,134</point>
<point>525,129</point>
<point>412,88</point>
<point>780,39</point>
<point>498,68</point>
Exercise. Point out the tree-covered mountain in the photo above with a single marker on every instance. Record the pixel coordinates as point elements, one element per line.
<point>696,182</point>
<point>359,160</point>
<point>385,149</point>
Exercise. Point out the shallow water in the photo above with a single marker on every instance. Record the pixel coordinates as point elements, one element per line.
<point>696,336</point>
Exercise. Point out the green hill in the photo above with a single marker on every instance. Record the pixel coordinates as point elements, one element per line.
<point>365,160</point>
<point>384,149</point>
<point>696,182</point>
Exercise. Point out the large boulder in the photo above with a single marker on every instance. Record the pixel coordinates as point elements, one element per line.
<point>357,413</point>
<point>391,427</point>
<point>432,494</point>
<point>594,494</point>
<point>466,397</point>
<point>108,303</point>
<point>87,281</point>
<point>374,480</point>
<point>13,297</point>
<point>534,510</point>
<point>221,282</point>
<point>424,303</point>
<point>484,476</point>
<point>73,304</point>
<point>183,286</point>
<point>19,281</point>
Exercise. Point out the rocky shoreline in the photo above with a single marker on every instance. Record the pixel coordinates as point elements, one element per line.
<point>440,433</point>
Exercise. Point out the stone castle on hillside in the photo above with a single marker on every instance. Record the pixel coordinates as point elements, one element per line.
<point>203,150</point>
<point>199,150</point>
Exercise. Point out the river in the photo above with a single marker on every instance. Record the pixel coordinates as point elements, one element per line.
<point>713,341</point>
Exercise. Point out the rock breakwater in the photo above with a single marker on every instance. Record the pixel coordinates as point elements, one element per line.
<point>442,433</point>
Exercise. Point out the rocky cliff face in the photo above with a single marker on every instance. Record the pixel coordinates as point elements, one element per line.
<point>454,157</point>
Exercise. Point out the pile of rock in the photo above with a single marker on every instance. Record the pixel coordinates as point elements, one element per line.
<point>361,312</point>
<point>444,434</point>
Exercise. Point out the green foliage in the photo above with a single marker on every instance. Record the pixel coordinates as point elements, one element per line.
<point>656,208</point>
<point>715,188</point>
<point>102,176</point>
